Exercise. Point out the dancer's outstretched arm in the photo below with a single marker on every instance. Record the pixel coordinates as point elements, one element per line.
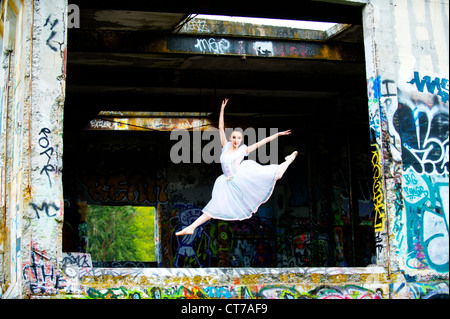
<point>223,137</point>
<point>266,140</point>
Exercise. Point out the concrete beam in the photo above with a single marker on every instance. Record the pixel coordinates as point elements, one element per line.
<point>137,42</point>
<point>200,27</point>
<point>265,48</point>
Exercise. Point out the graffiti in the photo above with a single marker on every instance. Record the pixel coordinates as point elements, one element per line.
<point>421,122</point>
<point>345,292</point>
<point>44,143</point>
<point>249,47</point>
<point>415,189</point>
<point>256,227</point>
<point>185,244</point>
<point>263,48</point>
<point>374,93</point>
<point>427,213</point>
<point>195,25</point>
<point>51,23</point>
<point>145,124</point>
<point>235,292</point>
<point>212,45</point>
<point>253,253</point>
<point>410,290</point>
<point>119,188</point>
<point>378,191</point>
<point>438,86</point>
<point>100,124</point>
<point>224,242</point>
<point>47,208</point>
<point>107,293</point>
<point>424,135</point>
<point>399,220</point>
<point>77,259</point>
<point>40,273</point>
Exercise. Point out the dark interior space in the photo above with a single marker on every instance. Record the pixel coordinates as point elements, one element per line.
<point>321,213</point>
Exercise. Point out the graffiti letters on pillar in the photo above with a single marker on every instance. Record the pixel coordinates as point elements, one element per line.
<point>47,151</point>
<point>422,122</point>
<point>378,190</point>
<point>50,210</point>
<point>424,134</point>
<point>437,86</point>
<point>41,274</point>
<point>50,24</point>
<point>427,212</point>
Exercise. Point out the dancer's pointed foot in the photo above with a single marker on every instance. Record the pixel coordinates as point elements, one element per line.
<point>291,157</point>
<point>187,231</point>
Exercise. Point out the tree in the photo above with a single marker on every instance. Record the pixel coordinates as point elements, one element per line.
<point>121,233</point>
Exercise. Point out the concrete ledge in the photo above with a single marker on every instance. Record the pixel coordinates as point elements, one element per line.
<point>224,283</point>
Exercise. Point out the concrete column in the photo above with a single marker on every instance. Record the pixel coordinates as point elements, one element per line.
<point>406,45</point>
<point>33,203</point>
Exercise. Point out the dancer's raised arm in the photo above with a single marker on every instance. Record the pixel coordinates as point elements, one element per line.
<point>266,140</point>
<point>223,137</point>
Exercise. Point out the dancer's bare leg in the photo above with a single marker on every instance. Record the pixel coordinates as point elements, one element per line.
<point>190,229</point>
<point>283,166</point>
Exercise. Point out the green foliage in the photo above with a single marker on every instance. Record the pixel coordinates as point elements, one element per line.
<point>121,233</point>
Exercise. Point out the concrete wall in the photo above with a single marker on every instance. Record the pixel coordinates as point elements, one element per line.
<point>406,45</point>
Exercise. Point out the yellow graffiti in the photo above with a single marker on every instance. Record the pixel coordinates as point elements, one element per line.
<point>378,192</point>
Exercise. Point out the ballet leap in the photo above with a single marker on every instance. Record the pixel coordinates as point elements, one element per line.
<point>244,185</point>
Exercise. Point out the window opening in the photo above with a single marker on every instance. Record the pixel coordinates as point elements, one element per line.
<point>118,234</point>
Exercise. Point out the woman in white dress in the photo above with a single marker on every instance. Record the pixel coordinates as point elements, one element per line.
<point>244,185</point>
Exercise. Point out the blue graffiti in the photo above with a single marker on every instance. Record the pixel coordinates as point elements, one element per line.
<point>423,127</point>
<point>186,244</point>
<point>439,85</point>
<point>427,219</point>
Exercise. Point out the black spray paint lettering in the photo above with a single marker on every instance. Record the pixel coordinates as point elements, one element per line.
<point>45,207</point>
<point>44,143</point>
<point>51,23</point>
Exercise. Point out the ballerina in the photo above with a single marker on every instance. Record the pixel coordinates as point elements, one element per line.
<point>244,185</point>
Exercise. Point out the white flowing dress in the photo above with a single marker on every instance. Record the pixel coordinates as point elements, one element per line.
<point>242,188</point>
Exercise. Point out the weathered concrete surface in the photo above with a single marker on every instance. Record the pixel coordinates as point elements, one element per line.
<point>33,185</point>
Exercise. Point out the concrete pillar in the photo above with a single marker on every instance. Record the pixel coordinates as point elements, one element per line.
<point>32,127</point>
<point>406,45</point>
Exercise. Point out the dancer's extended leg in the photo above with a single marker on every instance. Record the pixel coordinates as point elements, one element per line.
<point>283,166</point>
<point>190,229</point>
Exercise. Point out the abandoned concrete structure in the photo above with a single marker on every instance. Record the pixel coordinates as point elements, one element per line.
<point>92,92</point>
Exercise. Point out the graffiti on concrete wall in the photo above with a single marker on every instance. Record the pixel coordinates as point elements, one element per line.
<point>41,273</point>
<point>234,292</point>
<point>418,133</point>
<point>415,290</point>
<point>190,247</point>
<point>422,123</point>
<point>120,188</point>
<point>218,283</point>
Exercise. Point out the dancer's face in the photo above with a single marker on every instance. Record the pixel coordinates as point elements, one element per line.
<point>236,139</point>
